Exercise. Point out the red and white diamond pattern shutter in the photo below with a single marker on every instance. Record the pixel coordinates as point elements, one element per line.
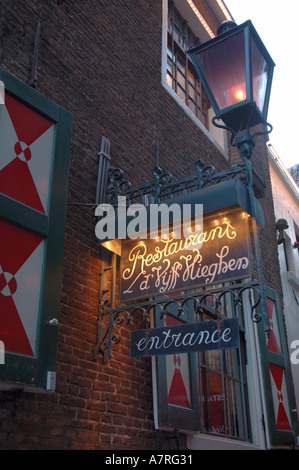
<point>25,170</point>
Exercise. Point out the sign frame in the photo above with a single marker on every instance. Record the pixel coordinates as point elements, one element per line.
<point>186,338</point>
<point>194,285</point>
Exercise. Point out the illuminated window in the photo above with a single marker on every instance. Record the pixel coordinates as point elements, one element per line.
<point>180,73</point>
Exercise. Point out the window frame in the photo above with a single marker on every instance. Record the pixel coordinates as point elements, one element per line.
<point>177,48</point>
<point>218,137</point>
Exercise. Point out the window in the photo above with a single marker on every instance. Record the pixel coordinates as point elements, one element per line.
<point>183,29</point>
<point>205,391</point>
<point>281,407</point>
<point>35,136</point>
<point>223,389</point>
<point>180,73</point>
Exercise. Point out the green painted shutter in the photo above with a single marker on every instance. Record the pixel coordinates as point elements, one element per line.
<point>276,374</point>
<point>34,165</point>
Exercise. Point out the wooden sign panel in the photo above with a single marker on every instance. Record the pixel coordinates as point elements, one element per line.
<point>186,338</point>
<point>218,254</point>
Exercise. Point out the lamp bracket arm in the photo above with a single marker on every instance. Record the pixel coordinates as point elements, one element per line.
<point>222,126</point>
<point>244,142</point>
<point>264,132</point>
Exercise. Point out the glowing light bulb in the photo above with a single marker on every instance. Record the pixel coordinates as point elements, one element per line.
<point>240,95</point>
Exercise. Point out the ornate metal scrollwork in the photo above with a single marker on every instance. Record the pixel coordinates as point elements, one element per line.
<point>164,186</point>
<point>177,306</point>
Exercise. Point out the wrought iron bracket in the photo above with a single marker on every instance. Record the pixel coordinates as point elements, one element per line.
<point>245,143</point>
<point>164,186</point>
<point>112,184</point>
<point>114,318</point>
<point>106,299</point>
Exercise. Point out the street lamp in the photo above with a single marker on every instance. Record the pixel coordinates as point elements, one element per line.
<point>236,72</point>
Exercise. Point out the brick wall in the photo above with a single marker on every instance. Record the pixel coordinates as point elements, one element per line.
<point>268,236</point>
<point>102,62</point>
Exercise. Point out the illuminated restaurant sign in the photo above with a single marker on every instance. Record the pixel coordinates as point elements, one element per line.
<point>218,253</point>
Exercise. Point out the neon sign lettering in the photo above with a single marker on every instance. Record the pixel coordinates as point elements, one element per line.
<point>217,254</point>
<point>190,337</point>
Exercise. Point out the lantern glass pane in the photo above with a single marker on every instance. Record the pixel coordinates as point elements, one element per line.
<point>260,75</point>
<point>224,67</point>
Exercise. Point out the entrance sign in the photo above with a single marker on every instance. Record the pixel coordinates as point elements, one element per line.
<point>186,338</point>
<point>216,254</point>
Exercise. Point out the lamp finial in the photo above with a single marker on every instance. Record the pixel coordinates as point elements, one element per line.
<point>226,26</point>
